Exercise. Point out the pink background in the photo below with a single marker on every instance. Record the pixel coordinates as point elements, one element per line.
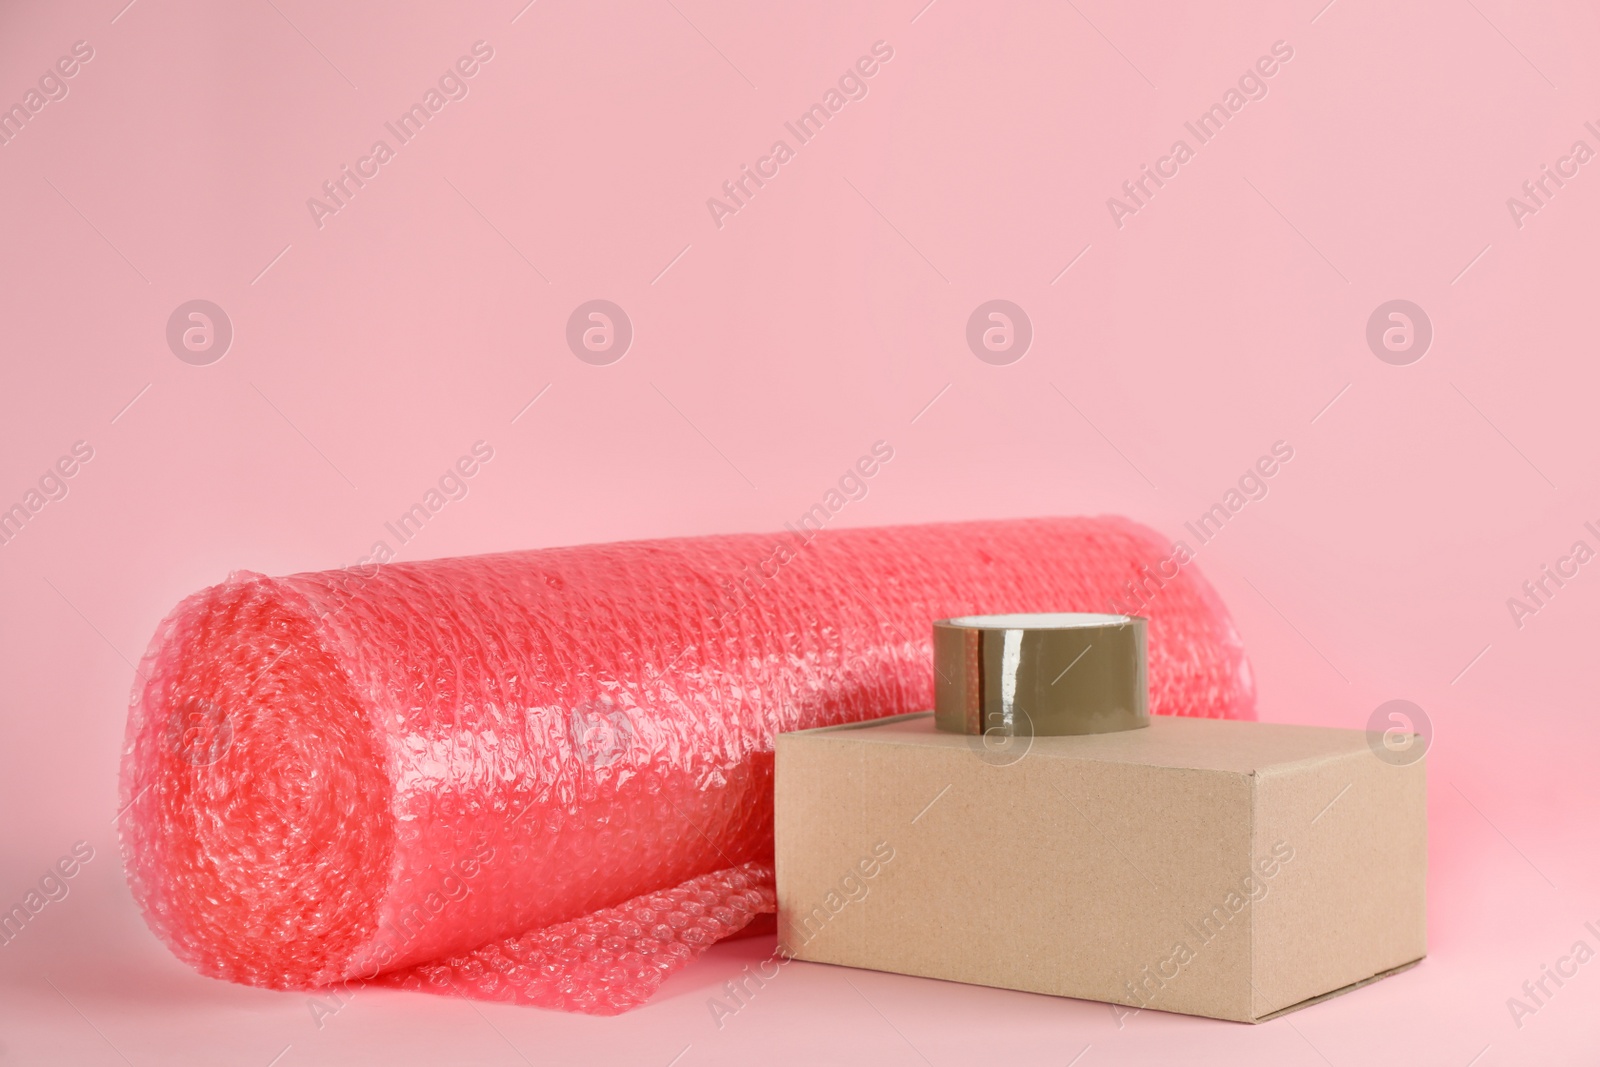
<point>769,353</point>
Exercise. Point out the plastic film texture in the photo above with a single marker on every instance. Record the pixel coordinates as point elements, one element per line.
<point>546,776</point>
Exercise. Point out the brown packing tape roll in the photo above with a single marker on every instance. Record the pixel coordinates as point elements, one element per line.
<point>1041,674</point>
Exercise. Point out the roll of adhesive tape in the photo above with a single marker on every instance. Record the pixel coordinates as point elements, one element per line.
<point>1041,675</point>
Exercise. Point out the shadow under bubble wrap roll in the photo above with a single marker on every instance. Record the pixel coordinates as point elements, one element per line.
<point>546,776</point>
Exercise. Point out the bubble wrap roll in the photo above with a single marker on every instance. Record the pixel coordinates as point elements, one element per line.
<point>546,776</point>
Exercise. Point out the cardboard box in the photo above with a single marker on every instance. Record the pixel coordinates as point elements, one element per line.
<point>1230,869</point>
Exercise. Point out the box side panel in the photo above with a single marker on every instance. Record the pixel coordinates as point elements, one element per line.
<point>819,826</point>
<point>1346,846</point>
<point>1114,882</point>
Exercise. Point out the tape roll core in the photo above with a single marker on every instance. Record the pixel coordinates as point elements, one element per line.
<point>1041,674</point>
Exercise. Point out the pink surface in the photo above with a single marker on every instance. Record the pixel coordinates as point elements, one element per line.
<point>366,356</point>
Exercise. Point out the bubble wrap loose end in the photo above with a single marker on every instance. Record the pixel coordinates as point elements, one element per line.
<point>546,777</point>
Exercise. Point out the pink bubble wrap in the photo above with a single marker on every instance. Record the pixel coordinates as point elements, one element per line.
<point>546,776</point>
